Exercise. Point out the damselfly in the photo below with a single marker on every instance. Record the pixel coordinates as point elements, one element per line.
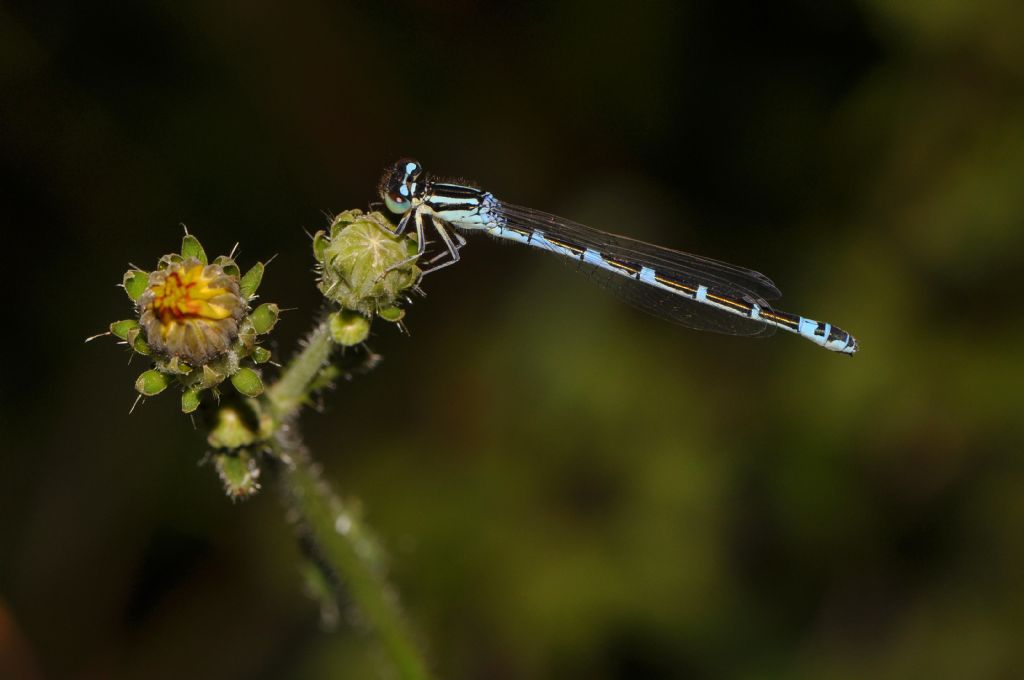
<point>686,289</point>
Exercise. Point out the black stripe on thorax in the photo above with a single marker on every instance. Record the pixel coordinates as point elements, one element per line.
<point>454,191</point>
<point>442,207</point>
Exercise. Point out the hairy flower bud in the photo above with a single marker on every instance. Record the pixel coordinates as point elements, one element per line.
<point>194,323</point>
<point>364,266</point>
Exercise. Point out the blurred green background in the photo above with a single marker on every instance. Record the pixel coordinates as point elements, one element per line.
<point>566,488</point>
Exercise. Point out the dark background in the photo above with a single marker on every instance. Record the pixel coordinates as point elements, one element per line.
<point>565,487</point>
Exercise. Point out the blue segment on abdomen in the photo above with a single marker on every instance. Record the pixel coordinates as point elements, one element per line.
<point>809,327</point>
<point>591,256</point>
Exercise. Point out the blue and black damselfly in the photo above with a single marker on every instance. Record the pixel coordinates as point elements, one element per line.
<point>690,290</point>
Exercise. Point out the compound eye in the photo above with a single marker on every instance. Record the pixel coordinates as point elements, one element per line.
<point>396,203</point>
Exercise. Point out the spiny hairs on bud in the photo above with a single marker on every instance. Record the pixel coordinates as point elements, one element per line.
<point>196,325</point>
<point>364,266</point>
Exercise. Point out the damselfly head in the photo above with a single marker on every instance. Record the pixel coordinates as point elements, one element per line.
<point>398,186</point>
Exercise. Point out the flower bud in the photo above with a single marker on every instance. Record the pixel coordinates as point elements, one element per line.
<point>239,473</point>
<point>348,328</point>
<point>195,325</point>
<point>364,266</point>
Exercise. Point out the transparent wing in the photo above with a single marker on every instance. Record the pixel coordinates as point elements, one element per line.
<point>693,270</point>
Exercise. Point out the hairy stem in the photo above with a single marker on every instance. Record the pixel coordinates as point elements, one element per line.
<point>337,542</point>
<point>344,548</point>
<point>291,391</point>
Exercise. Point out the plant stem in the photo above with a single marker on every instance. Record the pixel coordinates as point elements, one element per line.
<point>343,548</point>
<point>291,391</point>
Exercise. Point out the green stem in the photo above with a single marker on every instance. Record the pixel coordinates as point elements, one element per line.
<point>291,391</point>
<point>345,546</point>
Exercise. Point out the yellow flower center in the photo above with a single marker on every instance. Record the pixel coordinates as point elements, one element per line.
<point>191,311</point>
<point>187,294</point>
